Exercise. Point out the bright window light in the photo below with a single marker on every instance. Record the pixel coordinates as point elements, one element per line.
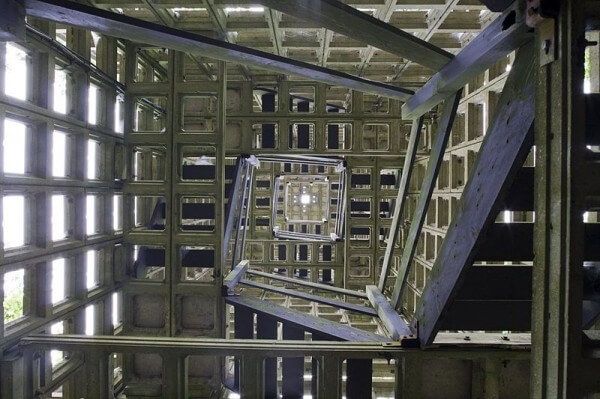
<point>244,9</point>
<point>59,153</point>
<point>92,154</point>
<point>57,357</point>
<point>59,226</point>
<point>115,309</point>
<point>92,104</point>
<point>90,274</point>
<point>14,283</point>
<point>90,215</point>
<point>58,280</point>
<point>13,221</point>
<point>117,206</point>
<point>89,320</point>
<point>16,72</point>
<point>15,136</point>
<point>119,121</point>
<point>60,91</point>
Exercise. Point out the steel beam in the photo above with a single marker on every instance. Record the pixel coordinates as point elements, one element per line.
<point>350,22</point>
<point>561,186</point>
<point>234,277</point>
<point>303,321</point>
<point>409,160</point>
<point>434,164</point>
<point>139,31</point>
<point>237,347</point>
<point>501,156</point>
<point>395,325</point>
<point>316,286</point>
<point>505,34</point>
<point>313,298</point>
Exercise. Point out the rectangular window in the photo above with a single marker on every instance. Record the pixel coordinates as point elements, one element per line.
<point>59,154</point>
<point>89,320</point>
<point>119,116</point>
<point>90,215</point>
<point>93,104</point>
<point>58,281</point>
<point>14,283</point>
<point>117,212</point>
<point>60,91</point>
<point>91,273</point>
<point>16,72</point>
<point>116,316</point>
<point>93,150</point>
<point>13,221</point>
<point>15,138</point>
<point>56,357</point>
<point>59,225</point>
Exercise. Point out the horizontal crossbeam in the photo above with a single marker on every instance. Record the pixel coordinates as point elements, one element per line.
<point>313,298</point>
<point>317,286</point>
<point>303,321</point>
<point>136,30</point>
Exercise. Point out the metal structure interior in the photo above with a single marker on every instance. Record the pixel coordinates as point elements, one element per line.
<point>299,199</point>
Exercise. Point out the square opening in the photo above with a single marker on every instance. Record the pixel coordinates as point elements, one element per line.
<point>149,212</point>
<point>266,98</point>
<point>266,135</point>
<point>151,65</point>
<point>92,271</point>
<point>94,153</point>
<point>339,100</point>
<point>198,164</point>
<point>59,218</point>
<point>15,82</point>
<point>60,154</point>
<point>149,163</point>
<point>13,221</point>
<point>302,99</point>
<point>117,213</point>
<point>339,136</point>
<point>302,136</point>
<point>59,292</point>
<point>376,137</point>
<point>15,146</point>
<point>148,263</point>
<point>197,263</point>
<point>91,215</point>
<point>13,301</point>
<point>59,89</point>
<point>199,113</point>
<point>374,104</point>
<point>198,214</point>
<point>150,115</point>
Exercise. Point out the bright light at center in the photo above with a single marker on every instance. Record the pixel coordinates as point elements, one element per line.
<point>305,199</point>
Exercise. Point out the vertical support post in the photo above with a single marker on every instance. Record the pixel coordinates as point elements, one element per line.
<point>244,329</point>
<point>559,205</point>
<point>409,160</point>
<point>433,167</point>
<point>293,367</point>
<point>251,377</point>
<point>329,377</point>
<point>97,377</point>
<point>175,371</point>
<point>359,378</point>
<point>266,328</point>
